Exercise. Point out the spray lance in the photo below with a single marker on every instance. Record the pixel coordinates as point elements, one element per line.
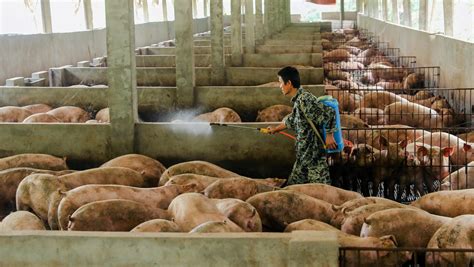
<point>262,130</point>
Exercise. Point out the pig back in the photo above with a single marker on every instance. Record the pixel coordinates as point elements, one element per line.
<point>192,209</point>
<point>105,175</point>
<point>411,227</point>
<point>328,193</point>
<point>457,234</point>
<point>277,209</point>
<point>196,167</point>
<point>447,203</point>
<point>113,215</point>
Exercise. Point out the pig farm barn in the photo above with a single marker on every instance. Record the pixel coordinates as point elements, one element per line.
<point>130,133</point>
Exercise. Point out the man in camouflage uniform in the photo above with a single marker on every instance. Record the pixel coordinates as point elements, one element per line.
<point>310,165</point>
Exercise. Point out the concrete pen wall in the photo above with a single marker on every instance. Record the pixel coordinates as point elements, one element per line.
<point>25,54</point>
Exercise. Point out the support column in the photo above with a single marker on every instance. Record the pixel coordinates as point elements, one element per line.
<point>121,74</point>
<point>288,12</point>
<point>185,77</point>
<point>146,16</point>
<point>206,11</point>
<point>259,30</point>
<point>423,15</point>
<point>273,17</point>
<point>359,6</point>
<point>217,43</point>
<point>46,16</point>
<point>376,10</point>
<point>395,16</point>
<point>341,15</point>
<point>406,13</point>
<point>448,17</point>
<point>88,14</point>
<point>280,16</point>
<point>267,18</point>
<point>236,32</point>
<point>165,10</point>
<point>249,27</point>
<point>195,12</point>
<point>384,10</point>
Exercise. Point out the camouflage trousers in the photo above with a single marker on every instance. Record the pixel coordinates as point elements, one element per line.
<point>310,172</point>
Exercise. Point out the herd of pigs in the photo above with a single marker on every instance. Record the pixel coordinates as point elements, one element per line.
<point>137,193</point>
<point>400,132</point>
<point>42,113</point>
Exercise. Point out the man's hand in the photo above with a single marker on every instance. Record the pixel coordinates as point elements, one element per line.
<point>330,142</point>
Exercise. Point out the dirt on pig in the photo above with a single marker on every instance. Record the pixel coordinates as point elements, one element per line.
<point>37,161</point>
<point>238,187</point>
<point>328,193</point>
<point>277,209</point>
<point>113,215</point>
<point>196,167</point>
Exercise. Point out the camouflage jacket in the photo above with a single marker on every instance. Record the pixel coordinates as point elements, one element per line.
<point>308,146</point>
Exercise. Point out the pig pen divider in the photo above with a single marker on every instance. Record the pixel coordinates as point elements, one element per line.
<point>361,44</point>
<point>403,77</point>
<point>396,61</point>
<point>419,256</point>
<point>386,162</point>
<point>383,163</point>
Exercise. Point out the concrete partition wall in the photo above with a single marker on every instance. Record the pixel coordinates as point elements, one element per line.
<point>296,249</point>
<point>78,142</point>
<point>43,51</point>
<point>167,76</point>
<point>249,60</point>
<point>455,57</point>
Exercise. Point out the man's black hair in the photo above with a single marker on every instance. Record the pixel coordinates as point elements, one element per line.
<point>290,74</point>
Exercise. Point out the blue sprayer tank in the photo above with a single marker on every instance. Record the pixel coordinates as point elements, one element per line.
<point>331,102</point>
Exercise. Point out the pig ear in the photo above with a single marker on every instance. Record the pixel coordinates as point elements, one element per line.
<point>448,151</point>
<point>254,211</point>
<point>344,211</point>
<point>382,141</point>
<point>421,151</point>
<point>403,143</point>
<point>466,147</point>
<point>355,151</point>
<point>347,149</point>
<point>366,221</point>
<point>389,237</point>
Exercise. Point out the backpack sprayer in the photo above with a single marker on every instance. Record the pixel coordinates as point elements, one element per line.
<point>327,100</point>
<point>262,130</point>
